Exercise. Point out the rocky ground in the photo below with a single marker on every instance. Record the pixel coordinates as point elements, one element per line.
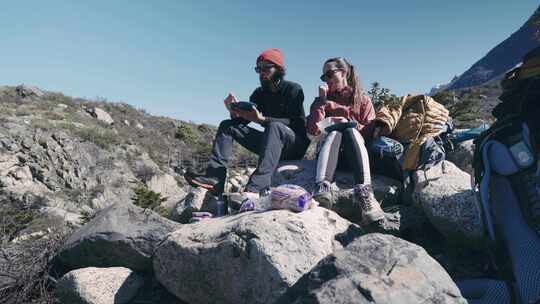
<point>72,172</point>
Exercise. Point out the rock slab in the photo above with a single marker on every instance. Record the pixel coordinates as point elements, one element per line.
<point>249,257</point>
<point>444,193</point>
<point>120,235</point>
<point>115,285</point>
<point>375,268</point>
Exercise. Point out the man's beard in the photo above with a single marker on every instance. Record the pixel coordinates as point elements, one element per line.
<point>267,83</point>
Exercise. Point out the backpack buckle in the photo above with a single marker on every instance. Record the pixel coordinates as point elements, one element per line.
<point>522,154</point>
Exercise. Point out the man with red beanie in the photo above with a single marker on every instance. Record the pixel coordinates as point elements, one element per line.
<point>279,109</point>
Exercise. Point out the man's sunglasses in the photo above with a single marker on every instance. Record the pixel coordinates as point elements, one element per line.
<point>265,67</point>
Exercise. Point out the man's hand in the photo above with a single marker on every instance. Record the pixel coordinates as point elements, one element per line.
<point>323,91</point>
<point>228,100</point>
<point>254,115</point>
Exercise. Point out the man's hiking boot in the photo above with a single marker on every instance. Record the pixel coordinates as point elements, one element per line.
<point>246,201</point>
<point>323,194</point>
<point>201,181</point>
<point>370,207</point>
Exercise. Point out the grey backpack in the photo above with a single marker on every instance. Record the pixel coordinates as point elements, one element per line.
<point>507,181</point>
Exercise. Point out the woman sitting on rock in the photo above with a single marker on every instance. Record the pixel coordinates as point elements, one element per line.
<point>342,99</point>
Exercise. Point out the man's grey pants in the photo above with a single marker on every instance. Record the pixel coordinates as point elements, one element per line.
<point>277,142</point>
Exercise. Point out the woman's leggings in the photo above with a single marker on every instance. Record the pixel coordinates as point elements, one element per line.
<point>351,142</point>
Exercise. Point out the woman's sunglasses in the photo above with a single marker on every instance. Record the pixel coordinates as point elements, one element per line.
<point>328,75</point>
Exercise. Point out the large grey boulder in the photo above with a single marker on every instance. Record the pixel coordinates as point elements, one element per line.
<point>238,179</point>
<point>250,257</point>
<point>462,156</point>
<point>115,285</point>
<point>24,91</point>
<point>375,268</point>
<point>198,199</point>
<point>120,235</point>
<point>18,177</point>
<point>101,115</point>
<point>444,193</point>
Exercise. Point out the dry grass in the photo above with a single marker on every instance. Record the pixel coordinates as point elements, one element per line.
<point>25,269</point>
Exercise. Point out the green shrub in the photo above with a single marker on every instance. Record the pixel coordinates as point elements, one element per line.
<point>57,98</point>
<point>205,129</point>
<point>102,137</point>
<point>380,96</point>
<point>87,216</point>
<point>21,111</point>
<point>13,220</point>
<point>148,199</point>
<point>51,115</point>
<point>185,133</point>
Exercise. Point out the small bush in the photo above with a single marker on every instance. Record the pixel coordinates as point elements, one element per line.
<point>148,199</point>
<point>57,98</point>
<point>205,129</point>
<point>87,216</point>
<point>43,124</point>
<point>144,172</point>
<point>13,220</point>
<point>22,112</point>
<point>185,133</point>
<point>52,115</point>
<point>104,138</point>
<point>380,96</point>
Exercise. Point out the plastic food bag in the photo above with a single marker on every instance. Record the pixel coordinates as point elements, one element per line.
<point>323,124</point>
<point>291,197</point>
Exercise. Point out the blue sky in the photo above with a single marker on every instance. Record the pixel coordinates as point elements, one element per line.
<point>181,58</point>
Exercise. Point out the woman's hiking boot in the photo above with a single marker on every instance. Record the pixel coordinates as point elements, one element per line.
<point>323,194</point>
<point>364,198</point>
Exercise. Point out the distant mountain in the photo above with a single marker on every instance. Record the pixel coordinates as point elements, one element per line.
<point>501,58</point>
<point>441,87</point>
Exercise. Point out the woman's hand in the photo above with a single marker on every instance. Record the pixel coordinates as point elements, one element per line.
<point>315,131</point>
<point>323,91</point>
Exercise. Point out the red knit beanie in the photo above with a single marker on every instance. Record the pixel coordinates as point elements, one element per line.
<point>273,55</point>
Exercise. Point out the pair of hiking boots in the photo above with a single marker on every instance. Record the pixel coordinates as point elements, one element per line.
<point>363,198</point>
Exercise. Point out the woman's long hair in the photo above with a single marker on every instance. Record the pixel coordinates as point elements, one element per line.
<point>353,80</point>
